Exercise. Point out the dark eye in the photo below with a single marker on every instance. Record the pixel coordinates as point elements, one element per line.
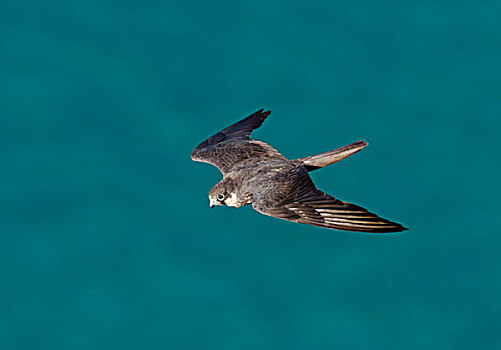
<point>220,196</point>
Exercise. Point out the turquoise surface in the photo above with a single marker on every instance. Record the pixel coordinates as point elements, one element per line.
<point>107,241</point>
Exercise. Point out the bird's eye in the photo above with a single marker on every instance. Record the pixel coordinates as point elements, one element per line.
<point>220,196</point>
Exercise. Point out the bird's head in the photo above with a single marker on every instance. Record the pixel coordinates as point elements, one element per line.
<point>225,193</point>
<point>220,193</point>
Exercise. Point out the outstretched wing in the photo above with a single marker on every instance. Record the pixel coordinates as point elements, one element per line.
<point>233,144</point>
<point>294,197</point>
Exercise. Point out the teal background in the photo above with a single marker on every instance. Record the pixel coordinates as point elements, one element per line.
<point>107,241</point>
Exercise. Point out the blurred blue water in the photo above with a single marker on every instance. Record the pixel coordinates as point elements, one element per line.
<point>106,237</point>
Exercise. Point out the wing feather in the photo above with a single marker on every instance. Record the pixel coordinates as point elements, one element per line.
<point>233,144</point>
<point>304,203</point>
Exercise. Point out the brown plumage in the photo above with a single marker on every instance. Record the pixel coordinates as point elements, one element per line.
<point>256,173</point>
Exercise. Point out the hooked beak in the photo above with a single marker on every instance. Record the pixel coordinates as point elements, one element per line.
<point>212,203</point>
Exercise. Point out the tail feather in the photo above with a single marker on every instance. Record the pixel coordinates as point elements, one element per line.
<point>324,159</point>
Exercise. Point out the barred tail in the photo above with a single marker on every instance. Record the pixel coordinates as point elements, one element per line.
<point>324,159</point>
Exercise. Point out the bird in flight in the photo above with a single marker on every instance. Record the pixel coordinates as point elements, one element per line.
<point>256,173</point>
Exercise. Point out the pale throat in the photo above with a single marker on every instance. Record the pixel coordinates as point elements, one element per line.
<point>231,201</point>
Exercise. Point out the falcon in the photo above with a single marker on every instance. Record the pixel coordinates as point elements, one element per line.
<point>256,173</point>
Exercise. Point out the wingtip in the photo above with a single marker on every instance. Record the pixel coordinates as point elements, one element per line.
<point>262,112</point>
<point>390,230</point>
<point>399,228</point>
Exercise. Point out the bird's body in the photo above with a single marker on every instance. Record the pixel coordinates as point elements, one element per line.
<point>256,173</point>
